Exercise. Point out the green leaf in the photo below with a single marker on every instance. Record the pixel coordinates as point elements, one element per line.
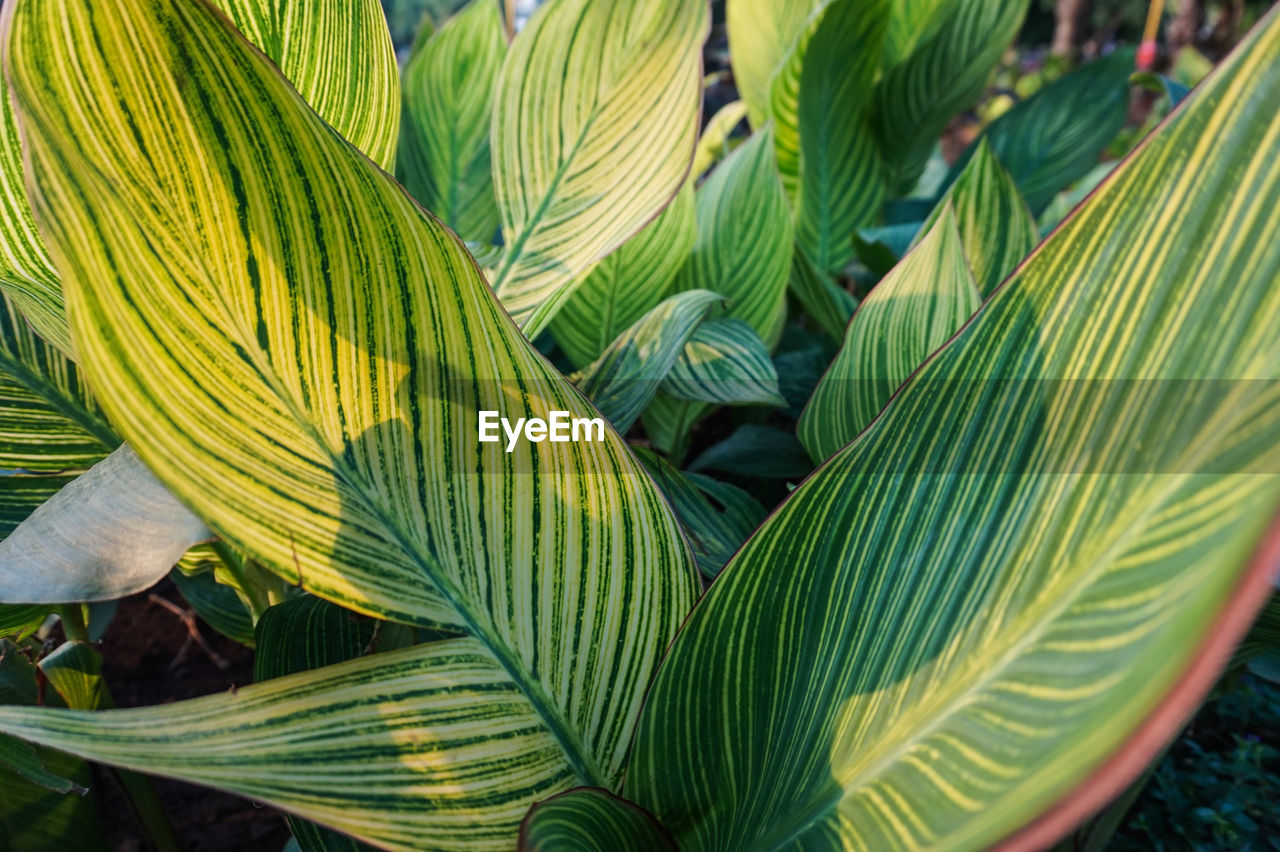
<point>980,620</point>
<point>744,242</point>
<point>110,532</point>
<point>826,146</point>
<point>595,122</point>
<point>713,144</point>
<point>823,300</point>
<point>21,620</point>
<point>761,34</point>
<point>996,228</point>
<point>21,494</point>
<point>916,98</point>
<point>589,819</point>
<point>448,91</point>
<point>627,375</point>
<point>910,313</point>
<point>20,758</point>
<point>1053,138</point>
<point>911,23</point>
<point>627,284</point>
<point>362,746</point>
<point>717,517</point>
<point>754,450</point>
<point>268,377</point>
<point>74,669</point>
<point>217,605</point>
<point>724,362</point>
<point>337,55</point>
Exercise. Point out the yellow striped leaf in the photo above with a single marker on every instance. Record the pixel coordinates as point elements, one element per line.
<point>109,532</point>
<point>300,354</point>
<point>996,228</point>
<point>627,375</point>
<point>627,284</point>
<point>337,54</point>
<point>980,620</point>
<point>744,239</point>
<point>367,747</point>
<point>444,132</point>
<point>761,35</point>
<point>944,75</point>
<point>595,122</point>
<point>587,819</point>
<point>724,362</point>
<point>713,144</point>
<point>912,22</point>
<point>910,313</point>
<point>1056,136</point>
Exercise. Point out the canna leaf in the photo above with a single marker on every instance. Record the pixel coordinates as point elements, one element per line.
<point>713,144</point>
<point>910,313</point>
<point>448,91</point>
<point>627,284</point>
<point>596,118</point>
<point>109,532</point>
<point>74,669</point>
<point>756,451</point>
<point>268,377</point>
<point>338,56</point>
<point>916,98</point>
<point>381,735</point>
<point>217,605</point>
<point>996,228</point>
<point>724,362</point>
<point>761,34</point>
<point>979,621</point>
<point>1056,136</point>
<point>717,517</point>
<point>911,23</point>
<point>19,621</point>
<point>823,300</point>
<point>627,375</point>
<point>744,239</point>
<point>587,819</point>
<point>842,176</point>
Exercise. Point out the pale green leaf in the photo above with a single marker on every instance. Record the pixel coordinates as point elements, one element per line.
<point>980,620</point>
<point>713,144</point>
<point>724,362</point>
<point>109,532</point>
<point>595,122</point>
<point>761,34</point>
<point>910,313</point>
<point>448,91</point>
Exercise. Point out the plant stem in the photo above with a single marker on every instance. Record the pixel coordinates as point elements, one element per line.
<point>258,601</point>
<point>73,623</point>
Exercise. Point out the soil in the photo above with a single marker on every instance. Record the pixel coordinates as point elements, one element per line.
<point>147,660</point>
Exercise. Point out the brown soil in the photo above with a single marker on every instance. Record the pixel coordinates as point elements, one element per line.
<point>144,663</point>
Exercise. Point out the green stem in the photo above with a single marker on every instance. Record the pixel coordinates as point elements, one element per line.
<point>258,601</point>
<point>146,806</point>
<point>73,622</point>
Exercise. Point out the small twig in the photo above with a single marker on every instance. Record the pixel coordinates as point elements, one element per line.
<point>188,618</point>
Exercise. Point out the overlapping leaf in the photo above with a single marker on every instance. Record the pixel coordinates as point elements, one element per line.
<point>910,313</point>
<point>724,362</point>
<point>627,284</point>
<point>1036,555</point>
<point>761,34</point>
<point>595,123</point>
<point>338,56</point>
<point>588,819</point>
<point>444,135</point>
<point>1054,138</point>
<point>300,354</point>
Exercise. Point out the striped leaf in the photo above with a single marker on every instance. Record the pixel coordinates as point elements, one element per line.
<point>444,132</point>
<point>589,819</point>
<point>627,284</point>
<point>944,75</point>
<point>109,532</point>
<point>996,228</point>
<point>269,377</point>
<point>979,621</point>
<point>18,621</point>
<point>627,375</point>
<point>74,669</point>
<point>911,23</point>
<point>724,362</point>
<point>1056,136</point>
<point>717,517</point>
<point>824,301</point>
<point>361,746</point>
<point>48,419</point>
<point>217,605</point>
<point>22,493</point>
<point>595,122</point>
<point>744,240</point>
<point>842,177</point>
<point>338,56</point>
<point>910,313</point>
<point>761,34</point>
<point>713,144</point>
